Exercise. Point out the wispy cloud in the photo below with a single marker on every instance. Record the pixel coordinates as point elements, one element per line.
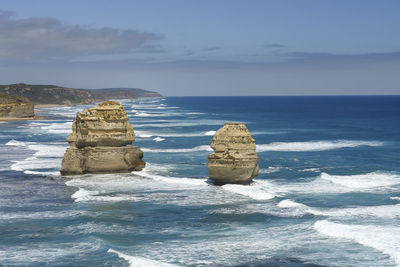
<point>291,59</point>
<point>274,45</point>
<point>212,48</point>
<point>49,39</point>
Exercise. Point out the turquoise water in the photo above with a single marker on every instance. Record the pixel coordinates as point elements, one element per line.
<point>328,192</point>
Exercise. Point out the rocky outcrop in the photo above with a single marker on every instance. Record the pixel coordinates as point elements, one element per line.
<point>234,159</point>
<point>100,142</point>
<point>15,107</point>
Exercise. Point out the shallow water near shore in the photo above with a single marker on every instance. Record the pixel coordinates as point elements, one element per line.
<point>328,192</point>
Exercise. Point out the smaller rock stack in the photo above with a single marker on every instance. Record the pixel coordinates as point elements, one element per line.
<point>234,159</point>
<point>100,142</point>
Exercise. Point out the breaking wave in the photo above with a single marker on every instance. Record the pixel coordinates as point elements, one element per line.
<point>136,261</point>
<point>382,211</point>
<point>314,145</point>
<point>148,134</point>
<point>258,190</point>
<point>177,150</point>
<point>363,181</point>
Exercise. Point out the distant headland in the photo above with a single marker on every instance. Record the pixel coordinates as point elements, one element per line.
<point>17,101</point>
<point>53,94</point>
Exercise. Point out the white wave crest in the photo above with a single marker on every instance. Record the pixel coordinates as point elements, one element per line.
<point>178,150</point>
<point>184,181</point>
<point>33,163</point>
<point>83,195</point>
<point>136,261</point>
<point>383,238</point>
<point>323,184</point>
<point>148,134</point>
<point>270,169</point>
<point>178,124</point>
<point>158,139</point>
<point>209,133</point>
<point>395,198</point>
<point>58,128</point>
<point>45,173</point>
<point>382,211</point>
<point>314,145</point>
<point>48,150</point>
<point>362,181</point>
<point>145,114</point>
<point>259,190</point>
<point>17,143</point>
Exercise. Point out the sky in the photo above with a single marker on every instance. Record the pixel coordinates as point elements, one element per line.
<point>204,47</point>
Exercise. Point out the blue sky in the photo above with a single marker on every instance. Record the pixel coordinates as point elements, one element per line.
<point>186,47</point>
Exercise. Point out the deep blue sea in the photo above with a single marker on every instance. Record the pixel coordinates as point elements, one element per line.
<point>328,191</point>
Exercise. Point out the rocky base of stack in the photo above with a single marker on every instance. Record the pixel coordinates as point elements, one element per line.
<point>223,171</point>
<point>102,160</point>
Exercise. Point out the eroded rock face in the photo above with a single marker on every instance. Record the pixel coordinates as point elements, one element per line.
<point>234,159</point>
<point>100,142</point>
<point>104,125</point>
<point>16,107</point>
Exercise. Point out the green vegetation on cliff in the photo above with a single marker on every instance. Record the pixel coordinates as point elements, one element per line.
<point>52,94</point>
<point>12,99</point>
<point>123,93</point>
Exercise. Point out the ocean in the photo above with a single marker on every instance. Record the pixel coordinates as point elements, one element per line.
<point>328,191</point>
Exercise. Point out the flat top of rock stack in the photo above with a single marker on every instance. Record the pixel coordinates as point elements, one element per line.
<point>103,125</point>
<point>109,111</point>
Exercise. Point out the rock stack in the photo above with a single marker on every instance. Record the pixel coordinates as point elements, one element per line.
<point>100,142</point>
<point>234,159</point>
<point>15,107</point>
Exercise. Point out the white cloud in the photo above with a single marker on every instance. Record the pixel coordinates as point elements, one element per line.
<point>48,39</point>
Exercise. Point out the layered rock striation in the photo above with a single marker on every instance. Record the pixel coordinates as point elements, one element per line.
<point>15,107</point>
<point>100,142</point>
<point>234,159</point>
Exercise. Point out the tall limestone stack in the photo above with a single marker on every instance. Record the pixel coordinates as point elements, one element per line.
<point>100,142</point>
<point>234,159</point>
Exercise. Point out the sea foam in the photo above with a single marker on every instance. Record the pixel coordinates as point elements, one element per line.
<point>148,134</point>
<point>258,190</point>
<point>314,145</point>
<point>18,143</point>
<point>382,211</point>
<point>383,238</point>
<point>136,261</point>
<point>178,150</point>
<point>362,181</point>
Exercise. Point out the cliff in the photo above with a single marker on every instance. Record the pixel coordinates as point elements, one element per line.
<point>15,107</point>
<point>100,142</point>
<point>52,94</point>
